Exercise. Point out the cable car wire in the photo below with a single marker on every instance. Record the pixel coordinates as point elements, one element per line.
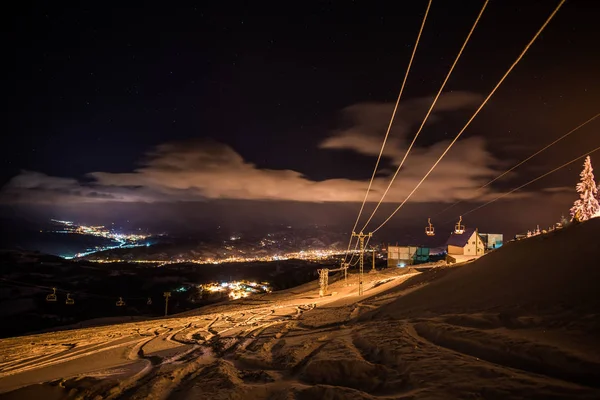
<point>389,125</point>
<point>523,162</point>
<point>473,116</point>
<point>437,96</point>
<point>531,181</point>
<point>354,253</point>
<point>56,289</point>
<point>358,259</point>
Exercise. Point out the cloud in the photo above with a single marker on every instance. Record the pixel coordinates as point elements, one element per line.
<point>200,170</point>
<point>368,122</point>
<point>36,187</point>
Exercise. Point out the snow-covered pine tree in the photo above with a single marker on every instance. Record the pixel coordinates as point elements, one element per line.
<point>597,215</point>
<point>586,206</point>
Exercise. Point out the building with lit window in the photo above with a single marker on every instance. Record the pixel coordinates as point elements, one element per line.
<point>401,256</point>
<point>465,246</point>
<point>492,240</point>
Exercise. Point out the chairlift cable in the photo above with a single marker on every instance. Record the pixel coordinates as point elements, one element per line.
<point>76,293</point>
<point>353,254</point>
<point>474,115</point>
<point>532,181</point>
<point>437,96</point>
<point>389,125</point>
<point>522,162</point>
<point>358,259</point>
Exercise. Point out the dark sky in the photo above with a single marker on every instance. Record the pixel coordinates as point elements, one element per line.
<point>222,101</point>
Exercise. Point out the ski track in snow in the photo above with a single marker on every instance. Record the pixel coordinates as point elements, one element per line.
<point>291,343</point>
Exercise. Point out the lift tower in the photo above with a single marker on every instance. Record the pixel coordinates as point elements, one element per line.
<point>167,295</point>
<point>361,238</point>
<point>324,277</point>
<point>373,268</point>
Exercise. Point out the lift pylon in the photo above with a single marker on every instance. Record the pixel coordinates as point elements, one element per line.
<point>373,266</point>
<point>324,277</point>
<point>323,281</point>
<point>361,238</point>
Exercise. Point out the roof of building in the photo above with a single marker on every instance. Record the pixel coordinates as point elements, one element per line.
<point>460,240</point>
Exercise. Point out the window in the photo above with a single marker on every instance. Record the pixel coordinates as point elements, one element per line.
<point>473,242</point>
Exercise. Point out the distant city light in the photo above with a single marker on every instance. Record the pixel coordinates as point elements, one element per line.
<point>123,240</point>
<point>237,289</point>
<point>307,255</point>
<point>137,240</point>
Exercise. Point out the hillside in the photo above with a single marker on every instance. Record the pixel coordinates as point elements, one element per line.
<point>520,323</point>
<point>552,274</point>
<point>222,246</point>
<point>26,278</point>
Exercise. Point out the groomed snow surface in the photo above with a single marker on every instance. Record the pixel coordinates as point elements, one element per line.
<point>522,322</point>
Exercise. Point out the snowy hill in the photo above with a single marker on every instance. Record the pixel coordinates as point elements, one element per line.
<point>550,274</point>
<point>519,323</point>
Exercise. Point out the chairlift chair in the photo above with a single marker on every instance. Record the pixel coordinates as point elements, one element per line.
<point>429,230</point>
<point>69,299</point>
<point>458,228</point>
<point>120,302</point>
<point>51,296</point>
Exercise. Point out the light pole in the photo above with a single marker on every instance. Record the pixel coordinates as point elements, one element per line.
<point>167,295</point>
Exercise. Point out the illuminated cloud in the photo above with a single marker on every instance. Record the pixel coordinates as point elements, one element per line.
<point>192,171</point>
<point>35,187</point>
<point>368,122</point>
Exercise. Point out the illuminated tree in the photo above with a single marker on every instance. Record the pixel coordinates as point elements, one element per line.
<point>586,206</point>
<point>597,215</point>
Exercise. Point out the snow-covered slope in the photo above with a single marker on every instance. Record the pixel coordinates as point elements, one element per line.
<point>555,273</point>
<point>521,322</point>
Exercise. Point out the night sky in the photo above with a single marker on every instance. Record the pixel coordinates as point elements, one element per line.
<point>242,112</point>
